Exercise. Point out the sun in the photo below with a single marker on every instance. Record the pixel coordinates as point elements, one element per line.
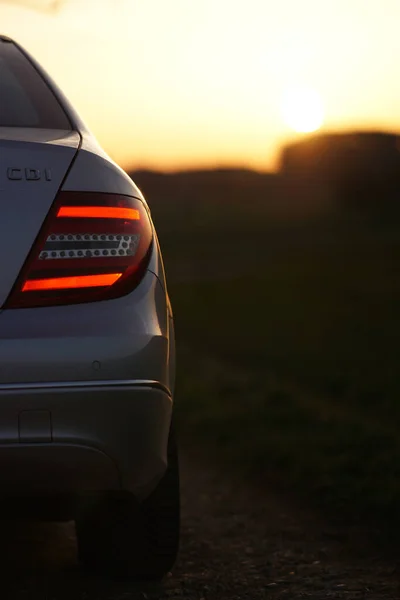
<point>302,109</point>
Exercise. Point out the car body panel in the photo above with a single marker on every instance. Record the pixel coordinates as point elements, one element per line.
<point>53,137</point>
<point>124,338</point>
<point>80,418</point>
<point>93,172</point>
<point>31,173</point>
<point>85,389</point>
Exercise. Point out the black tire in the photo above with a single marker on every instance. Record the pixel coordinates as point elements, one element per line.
<point>117,536</point>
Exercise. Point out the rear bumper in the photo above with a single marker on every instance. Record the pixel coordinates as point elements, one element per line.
<point>80,437</point>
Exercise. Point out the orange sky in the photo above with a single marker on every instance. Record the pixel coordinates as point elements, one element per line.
<point>185,83</point>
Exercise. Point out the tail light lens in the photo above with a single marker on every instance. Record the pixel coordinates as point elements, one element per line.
<point>91,247</point>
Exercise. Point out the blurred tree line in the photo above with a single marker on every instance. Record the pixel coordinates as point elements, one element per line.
<point>360,169</point>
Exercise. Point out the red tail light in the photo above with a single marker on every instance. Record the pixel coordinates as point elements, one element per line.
<point>91,247</point>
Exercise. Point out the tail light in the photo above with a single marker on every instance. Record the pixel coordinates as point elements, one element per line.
<point>91,247</point>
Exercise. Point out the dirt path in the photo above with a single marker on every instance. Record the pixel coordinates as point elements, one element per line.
<point>237,544</point>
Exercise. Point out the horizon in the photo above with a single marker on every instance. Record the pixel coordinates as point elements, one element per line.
<point>217,168</point>
<point>170,102</point>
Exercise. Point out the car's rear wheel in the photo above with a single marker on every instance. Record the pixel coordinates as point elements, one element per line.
<point>118,536</point>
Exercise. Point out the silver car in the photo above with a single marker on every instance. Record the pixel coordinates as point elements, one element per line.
<point>87,356</point>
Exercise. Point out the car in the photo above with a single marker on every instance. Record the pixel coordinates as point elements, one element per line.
<point>87,347</point>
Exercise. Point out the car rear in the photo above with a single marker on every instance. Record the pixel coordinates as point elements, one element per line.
<point>86,333</point>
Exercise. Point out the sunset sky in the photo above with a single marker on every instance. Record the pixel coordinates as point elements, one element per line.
<point>184,83</point>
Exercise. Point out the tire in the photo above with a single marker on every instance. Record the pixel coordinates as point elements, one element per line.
<point>117,536</point>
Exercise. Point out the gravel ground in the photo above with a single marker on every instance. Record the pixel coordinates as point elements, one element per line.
<point>237,543</point>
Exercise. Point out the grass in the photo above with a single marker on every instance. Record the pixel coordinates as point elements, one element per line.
<point>271,430</point>
<point>288,335</point>
<point>326,320</point>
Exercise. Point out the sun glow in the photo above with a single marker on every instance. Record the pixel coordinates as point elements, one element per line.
<point>302,109</point>
<point>167,85</point>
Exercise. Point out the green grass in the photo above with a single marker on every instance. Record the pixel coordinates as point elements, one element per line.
<point>288,348</point>
<point>325,320</point>
<point>269,429</point>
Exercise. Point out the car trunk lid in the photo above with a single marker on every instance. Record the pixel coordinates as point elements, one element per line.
<point>33,166</point>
